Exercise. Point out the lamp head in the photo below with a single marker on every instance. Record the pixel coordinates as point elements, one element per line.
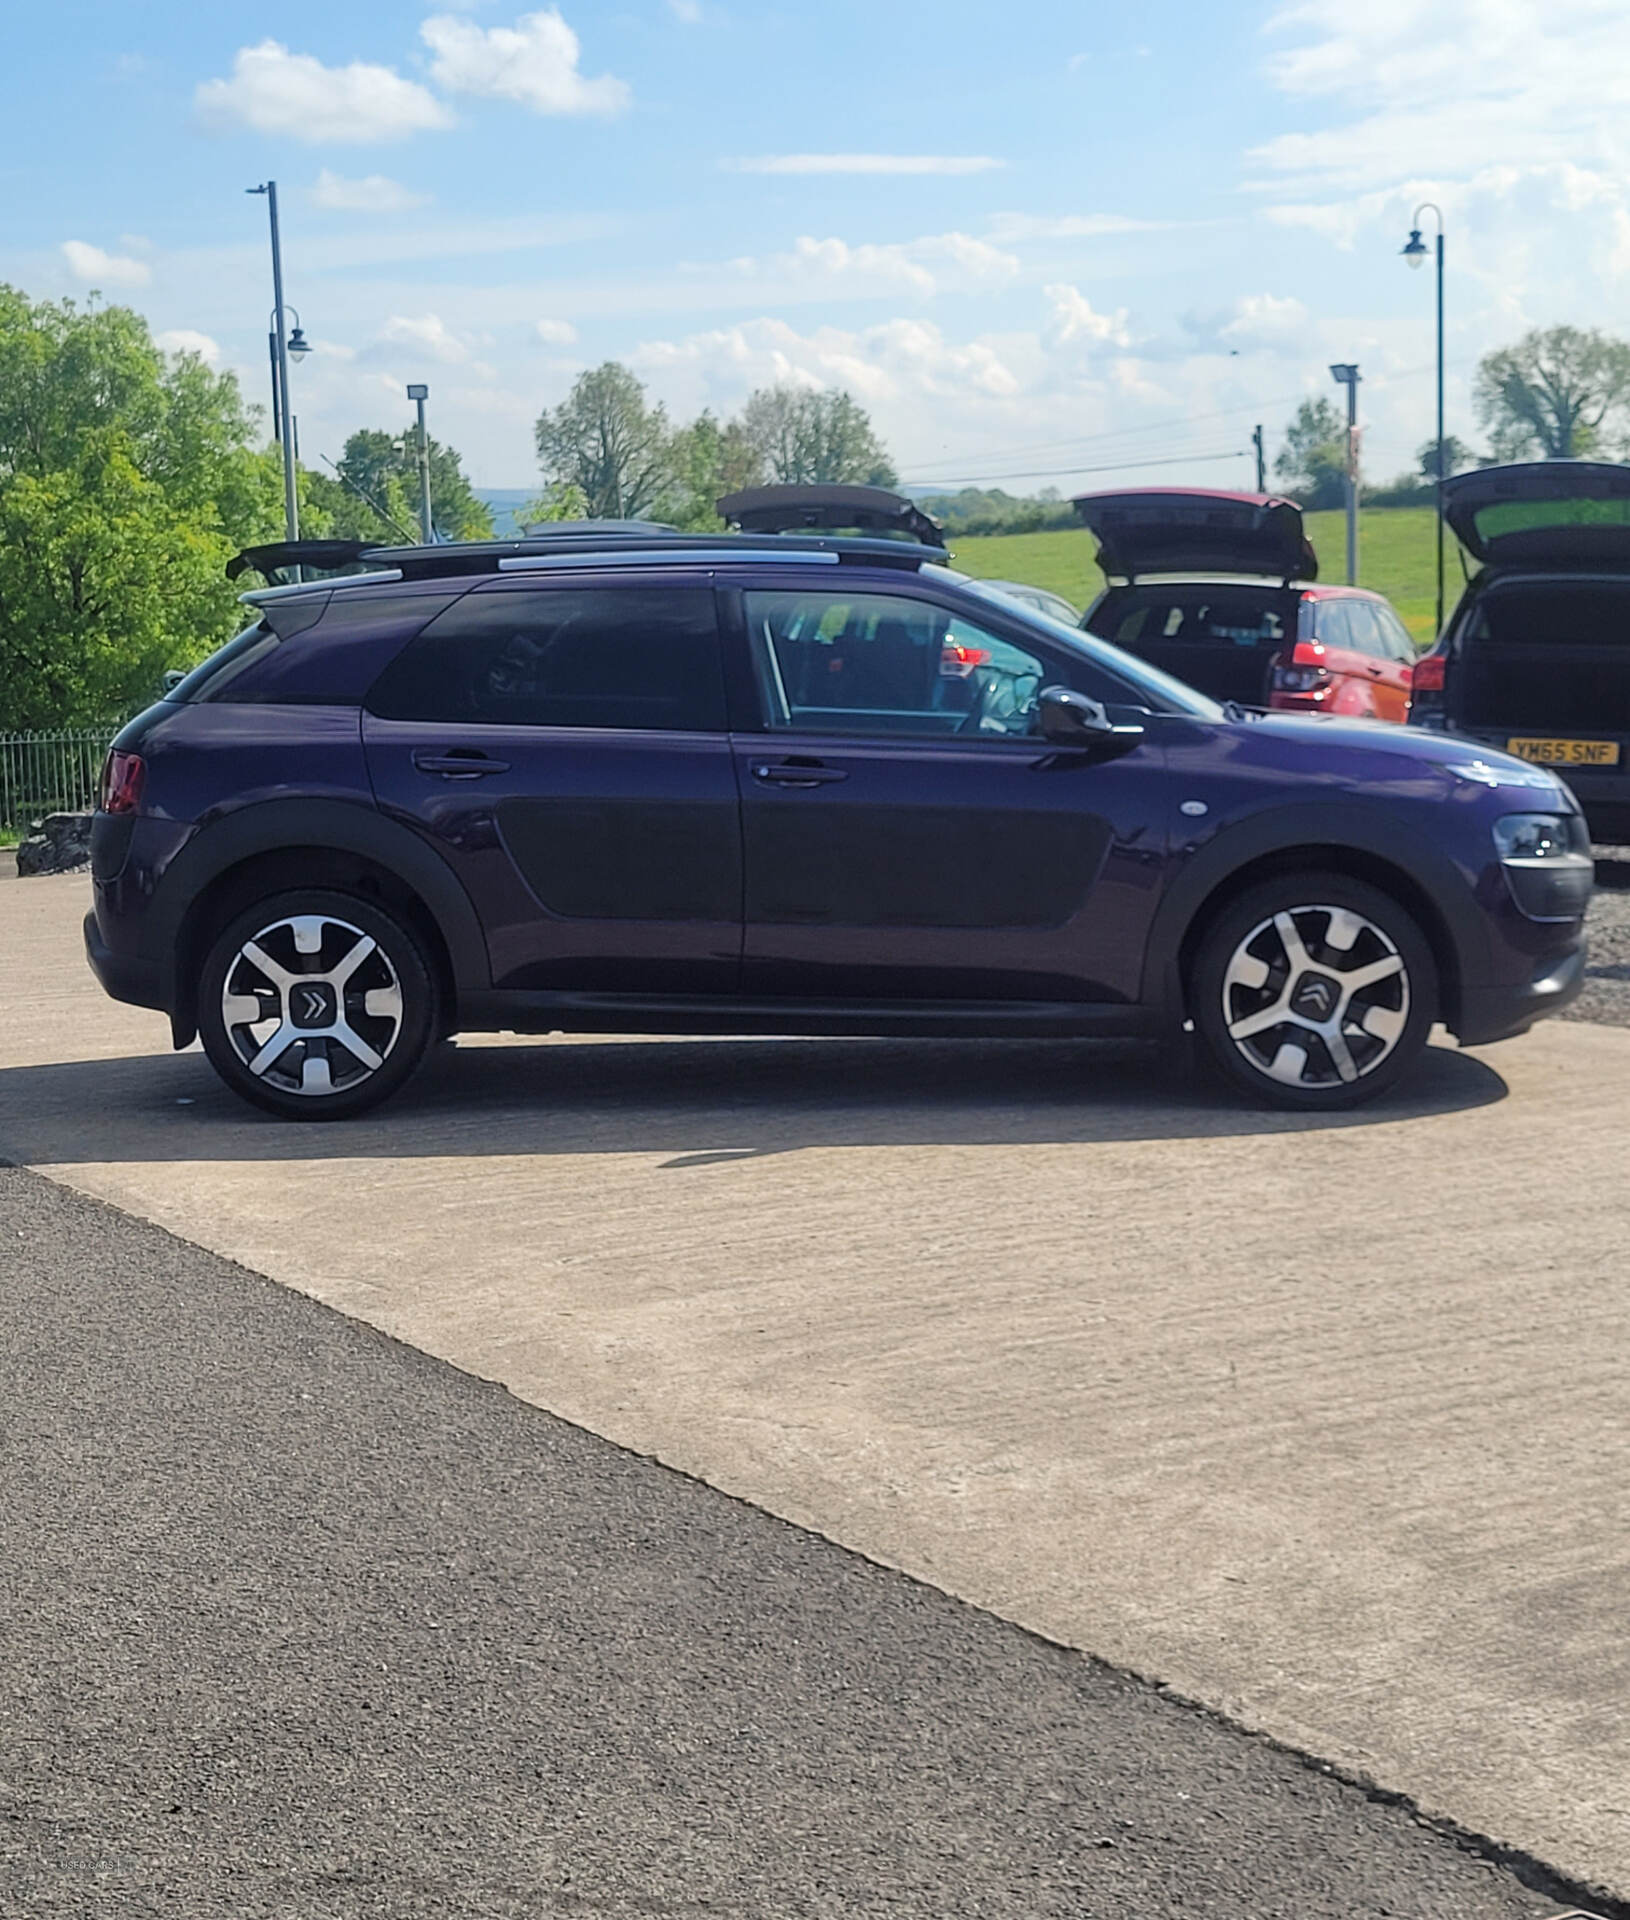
<point>418,392</point>
<point>299,345</point>
<point>1415,251</point>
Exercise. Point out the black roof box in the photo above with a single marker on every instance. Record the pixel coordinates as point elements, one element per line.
<point>831,509</point>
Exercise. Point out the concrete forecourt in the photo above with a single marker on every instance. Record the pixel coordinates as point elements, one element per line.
<point>1323,1423</point>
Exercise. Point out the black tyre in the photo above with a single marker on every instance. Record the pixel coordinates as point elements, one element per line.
<point>316,1005</point>
<point>1313,991</point>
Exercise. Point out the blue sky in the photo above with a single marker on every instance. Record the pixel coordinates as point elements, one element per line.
<point>1051,244</point>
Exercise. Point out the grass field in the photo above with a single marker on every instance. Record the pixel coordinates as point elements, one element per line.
<point>1395,557</point>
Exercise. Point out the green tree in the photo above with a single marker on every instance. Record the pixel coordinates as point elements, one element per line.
<point>1312,464</point>
<point>378,478</point>
<point>803,436</point>
<point>605,440</point>
<point>708,460</point>
<point>127,480</point>
<point>1558,394</point>
<point>1457,457</point>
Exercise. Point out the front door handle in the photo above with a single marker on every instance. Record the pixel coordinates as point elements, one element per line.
<point>796,773</point>
<point>461,763</point>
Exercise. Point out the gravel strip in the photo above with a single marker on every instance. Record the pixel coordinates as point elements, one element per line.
<point>1606,998</point>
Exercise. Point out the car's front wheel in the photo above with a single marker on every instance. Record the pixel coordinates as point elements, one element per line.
<point>1314,991</point>
<point>316,1005</point>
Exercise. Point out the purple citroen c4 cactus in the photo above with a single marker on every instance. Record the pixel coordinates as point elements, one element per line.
<point>804,778</point>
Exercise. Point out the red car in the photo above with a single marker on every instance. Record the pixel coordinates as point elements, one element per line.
<point>1216,589</point>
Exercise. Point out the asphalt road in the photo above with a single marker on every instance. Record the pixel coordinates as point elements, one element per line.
<point>300,1622</point>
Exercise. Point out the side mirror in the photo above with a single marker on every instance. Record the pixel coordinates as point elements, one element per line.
<point>173,678</point>
<point>1071,719</point>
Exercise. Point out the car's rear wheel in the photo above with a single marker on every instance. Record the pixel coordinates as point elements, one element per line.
<point>316,1005</point>
<point>1314,991</point>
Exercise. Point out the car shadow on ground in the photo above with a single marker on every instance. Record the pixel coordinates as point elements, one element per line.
<point>696,1102</point>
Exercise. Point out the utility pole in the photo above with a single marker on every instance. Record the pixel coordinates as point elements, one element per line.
<point>1261,462</point>
<point>291,498</point>
<point>1347,375</point>
<point>421,394</point>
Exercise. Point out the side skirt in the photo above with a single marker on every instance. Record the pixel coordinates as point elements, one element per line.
<point>945,1019</point>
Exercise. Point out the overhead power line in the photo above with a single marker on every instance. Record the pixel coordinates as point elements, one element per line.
<point>1111,466</point>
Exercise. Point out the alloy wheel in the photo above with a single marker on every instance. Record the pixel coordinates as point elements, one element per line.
<point>312,1005</point>
<point>1316,996</point>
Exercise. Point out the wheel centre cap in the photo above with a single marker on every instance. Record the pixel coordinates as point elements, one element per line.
<point>311,1004</point>
<point>1316,997</point>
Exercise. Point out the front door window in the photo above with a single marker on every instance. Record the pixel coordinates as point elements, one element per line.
<point>873,663</point>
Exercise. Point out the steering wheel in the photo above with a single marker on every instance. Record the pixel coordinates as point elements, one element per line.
<point>976,715</point>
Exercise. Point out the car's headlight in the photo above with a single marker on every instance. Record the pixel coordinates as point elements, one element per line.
<point>1546,861</point>
<point>1541,836</point>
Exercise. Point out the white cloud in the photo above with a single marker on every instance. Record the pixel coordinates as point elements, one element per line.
<point>1266,321</point>
<point>1442,86</point>
<point>373,194</point>
<point>426,334</point>
<point>556,333</point>
<point>275,91</point>
<point>1014,229</point>
<point>1073,319</point>
<point>533,63</point>
<point>104,269</point>
<point>185,340</point>
<point>930,265</point>
<point>897,360</point>
<point>687,12</point>
<point>865,163</point>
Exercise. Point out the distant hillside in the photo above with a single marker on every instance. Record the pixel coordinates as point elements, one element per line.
<point>504,502</point>
<point>1395,557</point>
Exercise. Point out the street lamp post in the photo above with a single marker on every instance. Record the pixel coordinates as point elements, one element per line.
<point>1347,375</point>
<point>420,394</point>
<point>282,347</point>
<point>1414,252</point>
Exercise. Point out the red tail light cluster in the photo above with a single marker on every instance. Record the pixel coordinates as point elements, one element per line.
<point>958,661</point>
<point>1429,672</point>
<point>122,780</point>
<point>1302,670</point>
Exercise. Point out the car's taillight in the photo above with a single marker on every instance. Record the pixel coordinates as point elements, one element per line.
<point>1302,670</point>
<point>958,661</point>
<point>122,779</point>
<point>1429,673</point>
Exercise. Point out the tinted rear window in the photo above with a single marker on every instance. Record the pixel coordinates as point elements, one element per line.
<point>564,657</point>
<point>1558,613</point>
<point>1194,617</point>
<point>214,677</point>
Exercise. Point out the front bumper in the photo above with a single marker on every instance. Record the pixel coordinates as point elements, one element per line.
<point>1488,1014</point>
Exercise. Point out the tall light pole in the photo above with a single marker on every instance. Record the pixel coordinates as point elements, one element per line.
<point>280,359</point>
<point>420,394</point>
<point>1347,375</point>
<point>1414,252</point>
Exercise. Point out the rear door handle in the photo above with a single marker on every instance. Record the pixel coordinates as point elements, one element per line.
<point>466,764</point>
<point>790,773</point>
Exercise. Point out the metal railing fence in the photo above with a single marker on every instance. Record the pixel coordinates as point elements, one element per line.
<point>43,773</point>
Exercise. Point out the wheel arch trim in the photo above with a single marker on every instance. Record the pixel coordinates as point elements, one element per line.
<point>1437,891</point>
<point>343,827</point>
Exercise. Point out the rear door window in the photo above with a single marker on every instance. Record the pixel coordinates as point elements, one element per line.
<point>612,657</point>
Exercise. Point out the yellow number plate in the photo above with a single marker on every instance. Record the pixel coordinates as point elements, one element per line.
<point>1566,753</point>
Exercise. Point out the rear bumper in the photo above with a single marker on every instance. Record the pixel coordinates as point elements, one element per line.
<point>1488,1014</point>
<point>128,977</point>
